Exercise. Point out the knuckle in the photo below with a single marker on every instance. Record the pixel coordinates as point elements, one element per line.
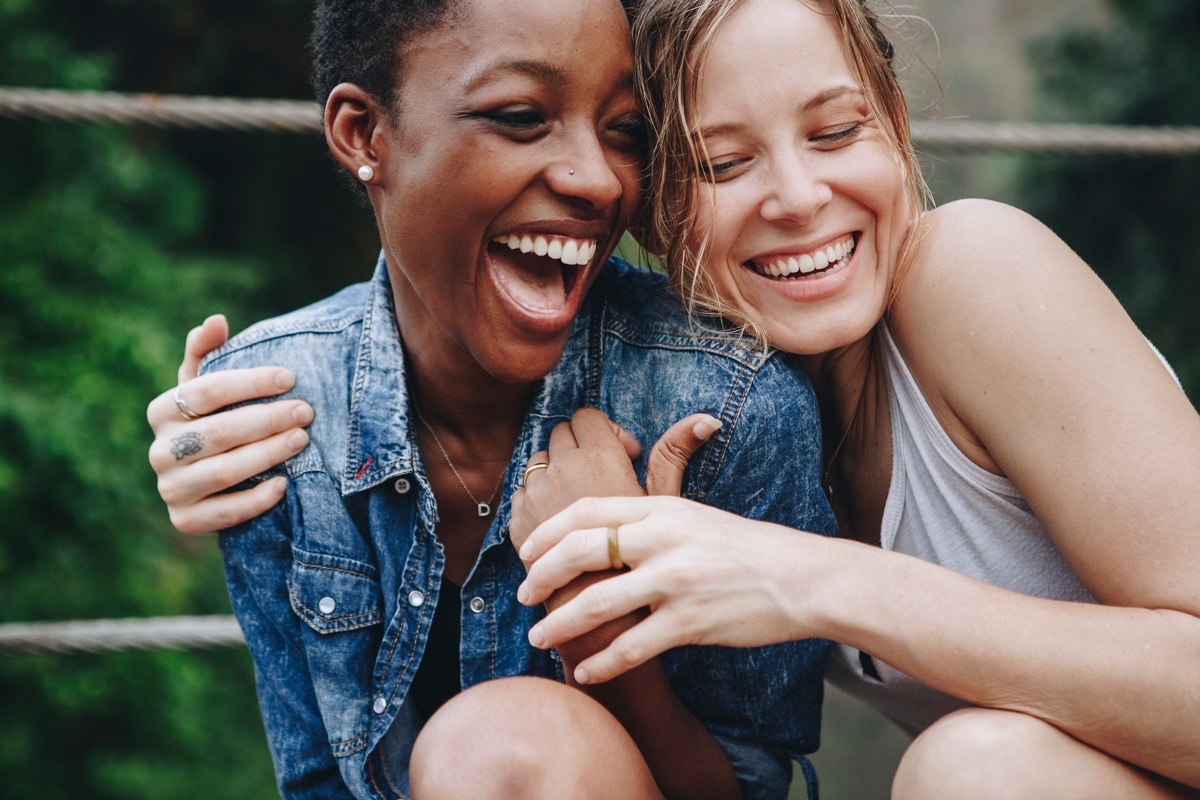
<point>223,517</point>
<point>169,491</point>
<point>577,546</point>
<point>673,451</point>
<point>157,457</point>
<point>222,477</point>
<point>597,600</point>
<point>627,651</point>
<point>590,506</point>
<point>207,395</point>
<point>587,413</point>
<point>182,521</point>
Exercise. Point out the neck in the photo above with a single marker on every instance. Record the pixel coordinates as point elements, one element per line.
<point>485,415</point>
<point>839,378</point>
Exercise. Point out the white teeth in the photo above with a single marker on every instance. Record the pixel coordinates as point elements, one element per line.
<point>786,266</point>
<point>572,252</point>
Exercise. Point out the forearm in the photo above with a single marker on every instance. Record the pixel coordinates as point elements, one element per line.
<point>685,759</point>
<point>1123,680</point>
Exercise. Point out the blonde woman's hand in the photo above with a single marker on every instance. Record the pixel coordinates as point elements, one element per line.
<point>199,451</point>
<point>707,576</point>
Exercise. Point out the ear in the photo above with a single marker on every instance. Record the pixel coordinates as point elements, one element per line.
<point>354,126</point>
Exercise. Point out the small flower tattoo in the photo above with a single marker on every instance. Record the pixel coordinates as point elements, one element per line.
<point>186,444</point>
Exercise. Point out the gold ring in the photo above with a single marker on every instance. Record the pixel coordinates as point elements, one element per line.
<point>187,413</point>
<point>532,468</point>
<point>614,549</point>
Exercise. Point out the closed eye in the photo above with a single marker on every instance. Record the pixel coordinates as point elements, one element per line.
<point>519,119</point>
<point>839,135</point>
<point>721,169</point>
<point>628,134</point>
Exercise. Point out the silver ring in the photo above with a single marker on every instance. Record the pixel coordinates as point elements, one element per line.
<point>187,413</point>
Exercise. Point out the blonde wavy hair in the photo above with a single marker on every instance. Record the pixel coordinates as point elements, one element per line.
<point>670,40</point>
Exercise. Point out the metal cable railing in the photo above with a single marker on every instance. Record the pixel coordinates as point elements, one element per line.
<point>119,634</point>
<point>300,116</point>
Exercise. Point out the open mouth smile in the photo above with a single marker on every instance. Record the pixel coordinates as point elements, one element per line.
<point>813,264</point>
<point>541,272</point>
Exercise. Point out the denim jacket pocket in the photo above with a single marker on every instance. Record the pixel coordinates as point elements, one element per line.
<point>334,594</point>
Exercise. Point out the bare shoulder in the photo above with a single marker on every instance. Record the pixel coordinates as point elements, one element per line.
<point>987,269</point>
<point>1030,363</point>
<point>972,248</point>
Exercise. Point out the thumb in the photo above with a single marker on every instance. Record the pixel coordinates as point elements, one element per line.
<point>633,448</point>
<point>210,335</point>
<point>674,449</point>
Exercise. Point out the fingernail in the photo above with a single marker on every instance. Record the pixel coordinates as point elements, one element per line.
<point>278,483</point>
<point>582,676</point>
<point>525,552</point>
<point>522,594</point>
<point>297,441</point>
<point>706,427</point>
<point>302,414</point>
<point>284,379</point>
<point>536,638</point>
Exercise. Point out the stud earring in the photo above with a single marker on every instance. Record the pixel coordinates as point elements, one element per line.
<point>570,172</point>
<point>365,173</point>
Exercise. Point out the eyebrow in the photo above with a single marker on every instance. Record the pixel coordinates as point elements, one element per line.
<point>538,70</point>
<point>534,69</point>
<point>819,99</point>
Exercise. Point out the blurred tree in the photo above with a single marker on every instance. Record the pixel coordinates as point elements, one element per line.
<point>113,241</point>
<point>1133,219</point>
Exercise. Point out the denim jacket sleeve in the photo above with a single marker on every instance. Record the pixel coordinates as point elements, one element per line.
<point>768,713</point>
<point>258,558</point>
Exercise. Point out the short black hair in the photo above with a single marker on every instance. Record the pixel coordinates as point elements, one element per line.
<point>359,42</point>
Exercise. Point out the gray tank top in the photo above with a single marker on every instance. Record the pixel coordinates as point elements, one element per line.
<point>944,508</point>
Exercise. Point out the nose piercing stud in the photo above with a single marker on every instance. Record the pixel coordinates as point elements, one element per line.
<point>365,173</point>
<point>570,172</point>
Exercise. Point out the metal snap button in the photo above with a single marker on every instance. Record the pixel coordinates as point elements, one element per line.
<point>327,605</point>
<point>416,599</point>
<point>380,705</point>
<point>477,605</point>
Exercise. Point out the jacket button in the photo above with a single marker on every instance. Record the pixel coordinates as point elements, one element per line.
<point>416,599</point>
<point>380,705</point>
<point>477,604</point>
<point>402,485</point>
<point>327,605</point>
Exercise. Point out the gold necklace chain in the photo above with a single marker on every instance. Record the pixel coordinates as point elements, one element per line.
<point>484,509</point>
<point>827,476</point>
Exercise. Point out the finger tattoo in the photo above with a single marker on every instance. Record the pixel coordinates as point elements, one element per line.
<point>186,444</point>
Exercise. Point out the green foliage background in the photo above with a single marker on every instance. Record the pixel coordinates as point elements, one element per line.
<point>115,240</point>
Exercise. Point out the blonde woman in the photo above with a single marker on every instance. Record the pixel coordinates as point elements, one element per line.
<point>1013,466</point>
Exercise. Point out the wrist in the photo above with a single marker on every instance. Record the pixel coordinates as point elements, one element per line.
<point>838,590</point>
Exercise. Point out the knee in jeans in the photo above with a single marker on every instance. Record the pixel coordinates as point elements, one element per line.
<point>975,752</point>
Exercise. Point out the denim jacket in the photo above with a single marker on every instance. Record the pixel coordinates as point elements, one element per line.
<point>335,587</point>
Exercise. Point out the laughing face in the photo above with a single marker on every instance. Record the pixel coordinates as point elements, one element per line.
<point>506,179</point>
<point>803,205</point>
